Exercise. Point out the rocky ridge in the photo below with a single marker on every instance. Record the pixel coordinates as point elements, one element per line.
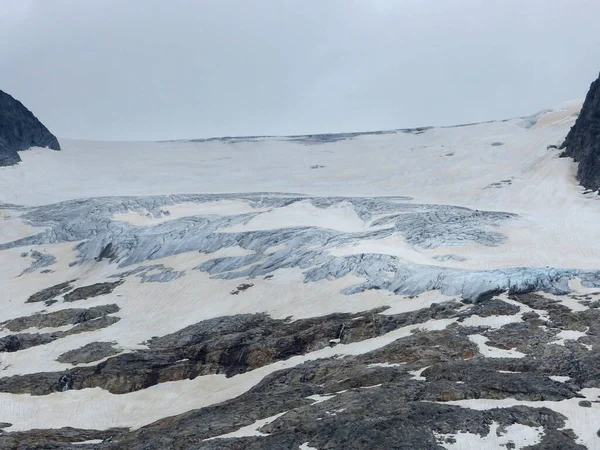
<point>20,130</point>
<point>583,141</point>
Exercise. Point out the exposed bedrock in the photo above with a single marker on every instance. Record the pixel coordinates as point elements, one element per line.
<point>83,320</point>
<point>48,295</point>
<point>93,290</point>
<point>389,397</point>
<point>583,141</point>
<point>20,130</point>
<point>230,345</point>
<point>235,344</point>
<point>52,439</point>
<point>378,418</point>
<point>93,351</point>
<point>365,407</point>
<point>22,341</point>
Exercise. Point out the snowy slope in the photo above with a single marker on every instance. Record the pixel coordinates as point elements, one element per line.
<point>321,232</point>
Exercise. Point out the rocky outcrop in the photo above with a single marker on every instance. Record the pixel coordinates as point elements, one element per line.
<point>82,293</point>
<point>49,293</point>
<point>20,130</point>
<point>230,345</point>
<point>93,351</point>
<point>22,341</point>
<point>56,439</point>
<point>394,396</point>
<point>60,318</point>
<point>583,141</point>
<point>83,320</point>
<point>93,290</point>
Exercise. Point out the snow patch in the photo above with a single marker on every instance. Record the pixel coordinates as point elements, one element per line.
<point>320,398</point>
<point>583,421</point>
<point>517,434</point>
<point>568,335</point>
<point>386,364</point>
<point>249,430</point>
<point>416,374</point>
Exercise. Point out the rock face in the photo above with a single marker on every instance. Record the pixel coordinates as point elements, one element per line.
<point>412,393</point>
<point>83,320</point>
<point>583,141</point>
<point>20,130</point>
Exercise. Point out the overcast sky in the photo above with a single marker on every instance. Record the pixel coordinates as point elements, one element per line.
<point>150,70</point>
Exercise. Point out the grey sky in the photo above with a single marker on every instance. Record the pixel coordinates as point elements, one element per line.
<point>146,69</point>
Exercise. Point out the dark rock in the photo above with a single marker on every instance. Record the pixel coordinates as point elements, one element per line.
<point>88,353</point>
<point>585,404</point>
<point>583,141</point>
<point>537,301</point>
<point>91,325</point>
<point>94,290</point>
<point>530,315</point>
<point>55,438</point>
<point>497,144</point>
<point>10,344</point>
<point>60,318</point>
<point>492,307</point>
<point>231,345</point>
<point>398,410</point>
<point>84,320</point>
<point>16,342</point>
<point>241,288</point>
<point>424,348</point>
<point>20,130</point>
<point>481,379</point>
<point>511,337</point>
<point>395,412</point>
<point>379,418</point>
<point>50,293</point>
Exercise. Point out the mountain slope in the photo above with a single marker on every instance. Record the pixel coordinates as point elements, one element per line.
<point>416,289</point>
<point>20,130</point>
<point>583,141</point>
